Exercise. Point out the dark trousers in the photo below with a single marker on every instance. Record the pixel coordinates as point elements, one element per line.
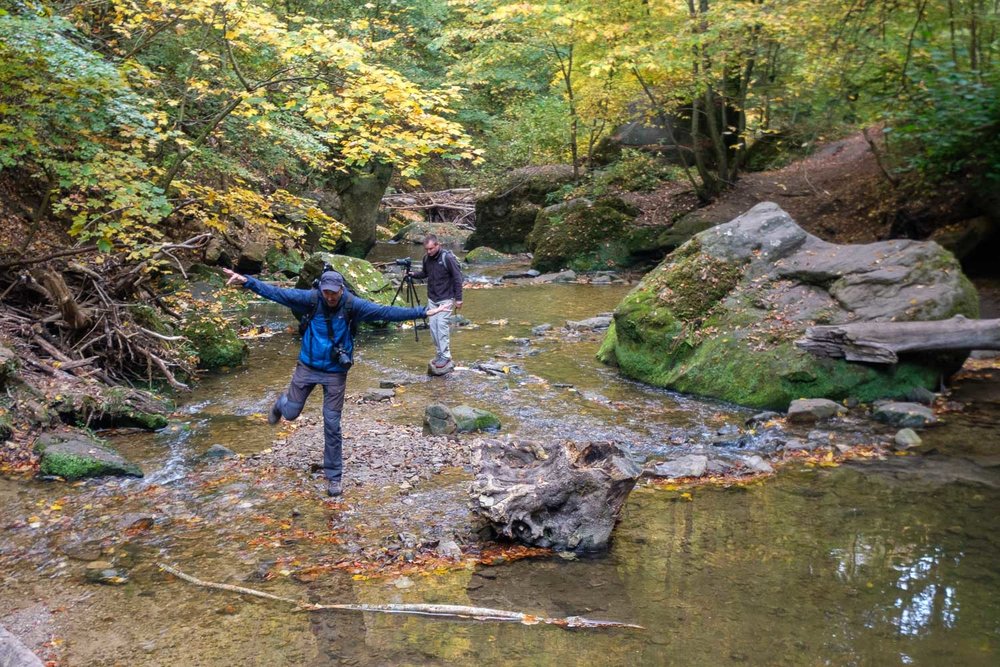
<point>294,399</point>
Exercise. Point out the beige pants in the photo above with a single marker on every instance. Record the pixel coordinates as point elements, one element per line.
<point>440,326</point>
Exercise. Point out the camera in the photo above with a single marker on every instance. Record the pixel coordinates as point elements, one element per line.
<point>343,358</point>
<point>405,262</point>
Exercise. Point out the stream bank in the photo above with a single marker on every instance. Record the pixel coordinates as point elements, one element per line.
<point>872,561</point>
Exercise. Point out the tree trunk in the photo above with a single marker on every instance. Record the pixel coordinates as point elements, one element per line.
<point>360,195</point>
<point>881,342</point>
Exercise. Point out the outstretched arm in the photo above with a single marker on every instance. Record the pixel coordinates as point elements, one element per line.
<point>368,312</point>
<point>296,299</point>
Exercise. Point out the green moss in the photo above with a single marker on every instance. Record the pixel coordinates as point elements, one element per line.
<point>582,236</point>
<point>285,261</point>
<point>215,341</point>
<point>6,425</point>
<point>485,255</point>
<point>72,467</point>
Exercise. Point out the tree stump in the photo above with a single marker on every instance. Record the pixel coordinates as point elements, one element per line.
<point>567,496</point>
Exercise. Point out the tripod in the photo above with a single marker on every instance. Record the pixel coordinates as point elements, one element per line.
<point>410,298</point>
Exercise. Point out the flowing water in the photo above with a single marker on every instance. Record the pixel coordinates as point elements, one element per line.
<point>886,562</point>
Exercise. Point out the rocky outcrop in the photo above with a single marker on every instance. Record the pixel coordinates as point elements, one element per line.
<point>506,216</point>
<point>588,235</point>
<point>366,281</point>
<point>360,195</point>
<point>720,315</point>
<point>77,455</point>
<point>566,496</point>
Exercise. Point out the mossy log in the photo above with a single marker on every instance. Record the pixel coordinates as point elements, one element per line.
<point>882,342</point>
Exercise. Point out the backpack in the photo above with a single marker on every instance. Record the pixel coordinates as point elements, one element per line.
<point>352,321</point>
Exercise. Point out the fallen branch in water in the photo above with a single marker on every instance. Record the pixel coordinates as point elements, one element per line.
<point>446,610</point>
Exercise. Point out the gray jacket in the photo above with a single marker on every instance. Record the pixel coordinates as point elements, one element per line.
<point>443,274</point>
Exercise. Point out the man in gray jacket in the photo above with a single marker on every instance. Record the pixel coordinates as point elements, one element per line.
<point>444,288</point>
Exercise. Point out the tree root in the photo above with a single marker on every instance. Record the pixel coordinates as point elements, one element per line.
<point>443,610</point>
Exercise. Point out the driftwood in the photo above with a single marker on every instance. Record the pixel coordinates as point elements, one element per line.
<point>882,342</point>
<point>457,206</point>
<point>445,610</point>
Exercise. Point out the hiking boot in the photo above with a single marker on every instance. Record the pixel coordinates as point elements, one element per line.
<point>274,414</point>
<point>441,362</point>
<point>334,488</point>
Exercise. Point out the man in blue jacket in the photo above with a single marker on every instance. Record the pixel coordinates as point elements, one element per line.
<point>327,353</point>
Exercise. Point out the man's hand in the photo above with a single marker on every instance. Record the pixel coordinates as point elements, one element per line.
<point>234,277</point>
<point>458,306</point>
<point>440,309</point>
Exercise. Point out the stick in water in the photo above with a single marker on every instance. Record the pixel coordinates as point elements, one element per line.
<point>447,610</point>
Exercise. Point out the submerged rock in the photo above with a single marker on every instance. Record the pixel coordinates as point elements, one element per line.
<point>77,455</point>
<point>905,415</point>
<point>567,496</point>
<point>721,314</point>
<point>566,276</point>
<point>217,453</point>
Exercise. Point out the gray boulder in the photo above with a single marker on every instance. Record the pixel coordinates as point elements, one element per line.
<point>566,496</point>
<point>251,257</point>
<point>15,654</point>
<point>720,315</point>
<point>74,455</point>
<point>906,438</point>
<point>905,415</point>
<point>217,453</point>
<point>808,410</point>
<point>378,395</point>
<point>589,324</point>
<point>692,465</point>
<point>438,420</point>
<point>566,276</point>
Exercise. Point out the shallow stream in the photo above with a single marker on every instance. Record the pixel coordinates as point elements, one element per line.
<point>882,562</point>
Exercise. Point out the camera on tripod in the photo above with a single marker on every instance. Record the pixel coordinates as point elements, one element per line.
<point>405,262</point>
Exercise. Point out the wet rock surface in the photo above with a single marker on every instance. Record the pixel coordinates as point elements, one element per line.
<point>560,495</point>
<point>807,410</point>
<point>905,415</point>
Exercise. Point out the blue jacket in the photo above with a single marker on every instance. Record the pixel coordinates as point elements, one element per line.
<point>317,349</point>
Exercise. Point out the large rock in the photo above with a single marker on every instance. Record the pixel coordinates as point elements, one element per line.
<point>590,235</point>
<point>505,217</point>
<point>251,257</point>
<point>691,465</point>
<point>438,420</point>
<point>905,415</point>
<point>486,255</point>
<point>562,495</point>
<point>719,316</point>
<point>807,410</point>
<point>77,455</point>
<point>367,281</point>
<point>13,653</point>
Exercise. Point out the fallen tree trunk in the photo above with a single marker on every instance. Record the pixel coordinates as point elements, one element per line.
<point>882,342</point>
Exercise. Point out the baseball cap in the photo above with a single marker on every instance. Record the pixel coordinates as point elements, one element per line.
<point>332,281</point>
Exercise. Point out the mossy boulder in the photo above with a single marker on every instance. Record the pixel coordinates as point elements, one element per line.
<point>506,216</point>
<point>472,420</point>
<point>77,455</point>
<point>720,315</point>
<point>486,255</point>
<point>367,281</point>
<point>446,233</point>
<point>589,235</point>
<point>288,261</point>
<point>215,341</point>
